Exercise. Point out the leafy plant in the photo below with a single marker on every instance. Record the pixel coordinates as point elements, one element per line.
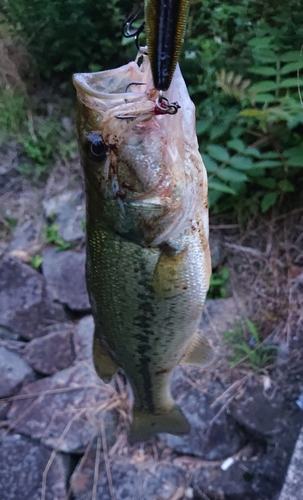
<point>70,36</point>
<point>36,261</point>
<point>247,346</point>
<point>51,235</point>
<point>12,111</point>
<point>218,283</point>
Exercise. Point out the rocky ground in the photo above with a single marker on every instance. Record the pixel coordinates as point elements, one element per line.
<point>64,432</point>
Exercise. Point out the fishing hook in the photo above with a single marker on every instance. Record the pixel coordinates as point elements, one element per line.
<point>133,83</point>
<point>128,33</point>
<point>163,106</point>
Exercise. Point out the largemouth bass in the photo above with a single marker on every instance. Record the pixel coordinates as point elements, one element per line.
<point>148,261</point>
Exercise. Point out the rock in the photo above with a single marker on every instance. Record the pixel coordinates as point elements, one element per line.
<point>219,316</point>
<point>149,480</point>
<point>6,333</point>
<point>68,409</point>
<point>65,276</point>
<point>25,237</point>
<point>4,408</point>
<point>13,371</point>
<point>233,484</point>
<point>260,415</point>
<point>83,339</point>
<point>14,346</point>
<point>214,435</point>
<point>53,352</point>
<point>25,306</point>
<point>8,163</point>
<point>68,211</point>
<point>292,489</point>
<point>22,464</point>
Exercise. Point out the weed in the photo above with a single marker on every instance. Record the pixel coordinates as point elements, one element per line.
<point>12,112</point>
<point>218,282</point>
<point>36,261</point>
<point>52,236</point>
<point>12,222</point>
<point>247,346</point>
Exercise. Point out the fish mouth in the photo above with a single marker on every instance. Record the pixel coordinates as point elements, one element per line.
<point>125,81</point>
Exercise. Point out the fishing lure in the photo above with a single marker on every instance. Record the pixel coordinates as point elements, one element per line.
<point>165,22</point>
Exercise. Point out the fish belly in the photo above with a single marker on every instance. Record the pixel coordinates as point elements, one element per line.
<point>147,304</point>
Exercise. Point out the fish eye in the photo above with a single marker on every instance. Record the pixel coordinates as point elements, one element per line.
<point>95,148</point>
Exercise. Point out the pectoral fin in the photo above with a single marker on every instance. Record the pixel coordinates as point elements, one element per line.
<point>145,425</point>
<point>104,365</point>
<point>200,352</point>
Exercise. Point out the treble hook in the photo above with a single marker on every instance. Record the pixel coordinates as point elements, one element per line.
<point>128,33</point>
<point>163,106</point>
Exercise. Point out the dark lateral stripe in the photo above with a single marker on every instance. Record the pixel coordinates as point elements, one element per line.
<point>165,27</point>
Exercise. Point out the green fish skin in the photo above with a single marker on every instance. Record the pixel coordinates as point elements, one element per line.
<point>148,261</point>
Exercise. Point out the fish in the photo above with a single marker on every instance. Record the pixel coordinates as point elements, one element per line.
<point>165,23</point>
<point>148,261</point>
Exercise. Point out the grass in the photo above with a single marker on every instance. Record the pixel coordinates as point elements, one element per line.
<point>38,128</point>
<point>51,235</point>
<point>246,346</point>
<point>218,284</point>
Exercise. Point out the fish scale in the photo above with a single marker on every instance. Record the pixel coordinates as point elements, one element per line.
<point>148,262</point>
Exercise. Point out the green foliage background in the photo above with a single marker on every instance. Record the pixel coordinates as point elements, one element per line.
<point>241,63</point>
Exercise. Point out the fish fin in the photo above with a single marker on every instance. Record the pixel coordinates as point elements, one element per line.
<point>104,365</point>
<point>145,425</point>
<point>199,352</point>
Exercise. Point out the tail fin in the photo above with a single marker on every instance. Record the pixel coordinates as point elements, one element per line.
<point>145,425</point>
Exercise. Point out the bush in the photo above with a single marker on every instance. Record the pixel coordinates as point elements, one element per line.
<point>241,64</point>
<point>66,36</point>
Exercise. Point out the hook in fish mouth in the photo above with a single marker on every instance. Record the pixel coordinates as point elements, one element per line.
<point>163,106</point>
<point>133,83</point>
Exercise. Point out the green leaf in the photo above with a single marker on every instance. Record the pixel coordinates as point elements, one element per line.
<point>291,55</point>
<point>252,152</point>
<point>263,70</point>
<point>253,330</point>
<point>254,113</point>
<point>260,42</point>
<point>270,155</point>
<point>267,164</point>
<point>213,197</point>
<point>291,82</point>
<point>241,162</point>
<point>237,145</point>
<point>257,172</point>
<point>210,164</point>
<point>219,186</point>
<point>268,201</point>
<point>294,156</point>
<point>229,174</point>
<point>287,186</point>
<point>264,86</point>
<point>265,56</point>
<point>291,67</point>
<point>264,98</point>
<point>218,152</point>
<point>268,182</point>
<point>218,130</point>
<point>202,126</point>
